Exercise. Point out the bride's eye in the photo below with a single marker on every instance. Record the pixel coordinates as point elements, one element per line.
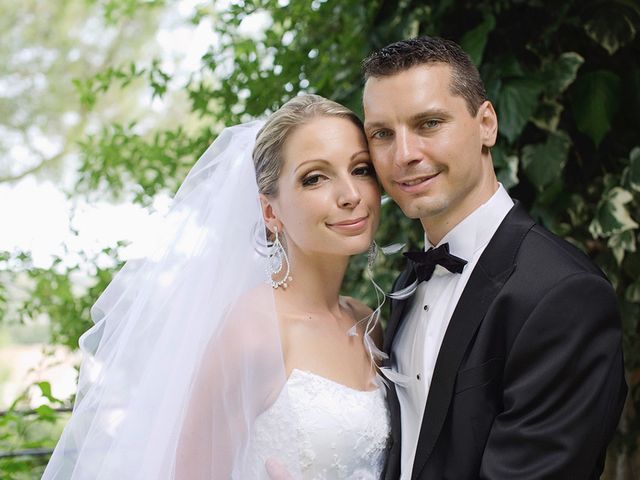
<point>365,170</point>
<point>311,180</point>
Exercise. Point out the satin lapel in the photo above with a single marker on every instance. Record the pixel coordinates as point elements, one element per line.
<point>494,267</point>
<point>397,309</point>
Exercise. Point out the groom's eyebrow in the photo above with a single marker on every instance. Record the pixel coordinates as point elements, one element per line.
<point>368,125</point>
<point>430,113</point>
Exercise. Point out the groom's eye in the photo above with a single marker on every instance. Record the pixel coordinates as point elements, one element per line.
<point>431,123</point>
<point>381,134</point>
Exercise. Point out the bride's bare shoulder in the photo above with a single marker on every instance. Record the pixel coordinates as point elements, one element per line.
<point>252,315</point>
<point>257,299</point>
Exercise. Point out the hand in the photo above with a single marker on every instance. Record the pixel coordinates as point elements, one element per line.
<point>276,470</point>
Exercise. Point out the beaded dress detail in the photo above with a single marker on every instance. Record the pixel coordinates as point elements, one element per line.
<point>340,432</point>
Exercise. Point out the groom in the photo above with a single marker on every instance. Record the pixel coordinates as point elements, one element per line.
<point>509,356</point>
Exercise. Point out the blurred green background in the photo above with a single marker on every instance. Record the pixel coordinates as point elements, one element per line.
<point>107,103</point>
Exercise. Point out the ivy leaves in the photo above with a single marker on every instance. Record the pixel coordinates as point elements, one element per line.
<point>533,99</point>
<point>517,101</point>
<point>613,24</point>
<point>544,162</point>
<point>633,172</point>
<point>474,41</point>
<point>613,218</point>
<point>595,101</point>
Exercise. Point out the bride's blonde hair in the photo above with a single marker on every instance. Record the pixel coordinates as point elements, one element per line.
<point>267,154</point>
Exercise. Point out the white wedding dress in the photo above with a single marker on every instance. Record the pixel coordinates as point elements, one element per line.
<point>341,432</point>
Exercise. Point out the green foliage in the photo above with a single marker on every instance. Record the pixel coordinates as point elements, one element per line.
<point>595,103</point>
<point>475,41</point>
<point>122,161</point>
<point>56,293</point>
<point>90,88</point>
<point>116,10</point>
<point>612,24</point>
<point>612,216</point>
<point>544,163</point>
<point>516,103</point>
<point>22,428</point>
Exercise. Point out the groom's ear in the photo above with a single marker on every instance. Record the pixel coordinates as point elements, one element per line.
<point>268,213</point>
<point>488,124</point>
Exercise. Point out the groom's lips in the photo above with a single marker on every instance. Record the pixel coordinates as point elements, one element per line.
<point>416,184</point>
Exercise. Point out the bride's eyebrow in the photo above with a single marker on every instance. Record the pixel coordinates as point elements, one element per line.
<point>313,160</point>
<point>359,152</point>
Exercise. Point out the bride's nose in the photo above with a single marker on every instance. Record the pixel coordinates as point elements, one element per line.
<point>349,194</point>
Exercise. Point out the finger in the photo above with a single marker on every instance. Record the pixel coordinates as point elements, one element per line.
<point>276,470</point>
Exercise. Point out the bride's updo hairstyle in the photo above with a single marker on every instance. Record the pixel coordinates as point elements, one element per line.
<point>267,154</point>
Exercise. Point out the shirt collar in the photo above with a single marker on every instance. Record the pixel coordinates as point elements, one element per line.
<point>475,231</point>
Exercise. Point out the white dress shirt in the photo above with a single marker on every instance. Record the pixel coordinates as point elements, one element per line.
<point>420,336</point>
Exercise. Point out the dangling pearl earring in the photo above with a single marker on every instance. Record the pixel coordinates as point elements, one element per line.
<point>277,262</point>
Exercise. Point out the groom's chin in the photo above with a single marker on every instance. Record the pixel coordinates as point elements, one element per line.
<point>421,208</point>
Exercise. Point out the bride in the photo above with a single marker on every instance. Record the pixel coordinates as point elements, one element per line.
<point>228,352</point>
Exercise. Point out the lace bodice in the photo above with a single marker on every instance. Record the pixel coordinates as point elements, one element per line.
<point>339,432</point>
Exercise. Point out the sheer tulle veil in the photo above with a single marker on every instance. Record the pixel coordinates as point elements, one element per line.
<point>185,352</point>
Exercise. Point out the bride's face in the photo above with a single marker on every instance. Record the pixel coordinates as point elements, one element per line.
<point>328,199</point>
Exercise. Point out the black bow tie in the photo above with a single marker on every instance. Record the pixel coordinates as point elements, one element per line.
<point>424,263</point>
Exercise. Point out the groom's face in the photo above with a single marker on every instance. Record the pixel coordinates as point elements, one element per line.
<point>428,149</point>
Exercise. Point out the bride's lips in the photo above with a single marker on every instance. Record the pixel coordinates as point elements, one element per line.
<point>416,184</point>
<point>354,225</point>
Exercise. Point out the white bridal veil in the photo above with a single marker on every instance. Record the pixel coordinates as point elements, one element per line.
<point>185,351</point>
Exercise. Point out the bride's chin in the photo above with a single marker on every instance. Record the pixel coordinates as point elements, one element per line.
<point>362,246</point>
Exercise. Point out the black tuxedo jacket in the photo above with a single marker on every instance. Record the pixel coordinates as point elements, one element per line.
<point>529,381</point>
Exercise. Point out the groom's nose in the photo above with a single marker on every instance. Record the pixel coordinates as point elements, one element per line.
<point>406,148</point>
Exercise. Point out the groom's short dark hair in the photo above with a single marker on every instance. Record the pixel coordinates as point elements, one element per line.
<point>403,55</point>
